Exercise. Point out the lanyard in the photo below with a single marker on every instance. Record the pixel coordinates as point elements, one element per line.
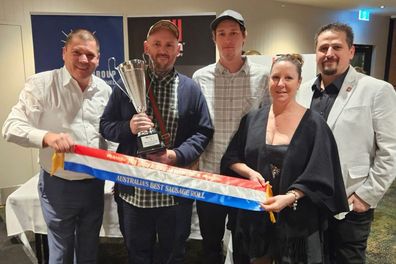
<point>165,135</point>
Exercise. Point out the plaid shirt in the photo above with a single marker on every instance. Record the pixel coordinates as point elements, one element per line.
<point>229,97</point>
<point>165,93</point>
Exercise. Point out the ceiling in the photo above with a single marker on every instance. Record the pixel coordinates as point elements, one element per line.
<point>372,5</point>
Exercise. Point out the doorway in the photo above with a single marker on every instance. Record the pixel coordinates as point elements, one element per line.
<point>362,59</point>
<point>390,65</point>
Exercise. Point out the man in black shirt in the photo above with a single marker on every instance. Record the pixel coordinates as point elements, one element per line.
<point>361,112</point>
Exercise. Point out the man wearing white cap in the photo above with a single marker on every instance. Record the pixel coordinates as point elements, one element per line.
<point>232,87</point>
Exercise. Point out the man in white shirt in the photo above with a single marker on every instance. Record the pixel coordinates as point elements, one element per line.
<point>232,87</point>
<point>56,110</point>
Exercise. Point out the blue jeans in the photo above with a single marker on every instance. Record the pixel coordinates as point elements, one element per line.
<point>73,212</point>
<point>143,226</point>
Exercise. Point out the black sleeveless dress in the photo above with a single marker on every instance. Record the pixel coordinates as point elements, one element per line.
<point>257,236</point>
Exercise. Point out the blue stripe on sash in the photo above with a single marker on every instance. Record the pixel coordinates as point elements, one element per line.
<point>165,188</point>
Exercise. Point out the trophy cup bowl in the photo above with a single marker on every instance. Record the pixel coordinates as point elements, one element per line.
<point>133,77</point>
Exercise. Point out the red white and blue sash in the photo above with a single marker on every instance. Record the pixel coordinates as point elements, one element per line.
<point>158,177</point>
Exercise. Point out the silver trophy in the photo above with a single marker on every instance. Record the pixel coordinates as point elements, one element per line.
<point>134,79</point>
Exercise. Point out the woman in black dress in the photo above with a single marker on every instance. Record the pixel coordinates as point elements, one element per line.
<point>294,150</point>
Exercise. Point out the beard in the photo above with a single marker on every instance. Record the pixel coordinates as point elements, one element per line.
<point>158,67</point>
<point>329,69</point>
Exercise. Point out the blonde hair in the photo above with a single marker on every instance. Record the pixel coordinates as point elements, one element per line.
<point>295,58</point>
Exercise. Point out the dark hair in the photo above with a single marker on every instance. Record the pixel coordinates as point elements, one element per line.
<point>242,28</point>
<point>339,27</point>
<point>83,34</point>
<point>294,58</point>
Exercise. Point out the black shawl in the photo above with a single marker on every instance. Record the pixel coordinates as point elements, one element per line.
<point>311,165</point>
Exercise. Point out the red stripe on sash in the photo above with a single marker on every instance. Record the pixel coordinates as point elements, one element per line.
<point>138,162</point>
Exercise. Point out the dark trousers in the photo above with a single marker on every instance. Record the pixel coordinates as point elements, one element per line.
<point>212,219</point>
<point>347,238</point>
<point>143,226</point>
<point>73,212</point>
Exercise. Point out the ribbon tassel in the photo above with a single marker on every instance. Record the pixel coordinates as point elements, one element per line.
<point>268,193</point>
<point>58,161</point>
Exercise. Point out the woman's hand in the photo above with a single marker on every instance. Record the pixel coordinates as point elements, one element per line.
<point>256,176</point>
<point>278,202</point>
<point>248,173</point>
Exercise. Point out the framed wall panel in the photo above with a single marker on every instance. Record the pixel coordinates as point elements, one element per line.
<point>49,33</point>
<point>198,49</point>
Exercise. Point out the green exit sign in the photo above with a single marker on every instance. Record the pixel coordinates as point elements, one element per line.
<point>364,15</point>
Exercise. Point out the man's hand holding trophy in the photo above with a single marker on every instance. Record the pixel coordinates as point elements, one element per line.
<point>133,79</point>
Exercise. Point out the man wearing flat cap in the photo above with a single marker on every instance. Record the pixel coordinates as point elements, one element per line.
<point>183,111</point>
<point>232,87</point>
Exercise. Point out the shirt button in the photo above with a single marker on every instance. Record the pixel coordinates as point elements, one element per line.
<point>321,113</point>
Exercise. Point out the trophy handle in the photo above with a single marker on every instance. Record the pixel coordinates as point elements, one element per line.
<point>112,76</point>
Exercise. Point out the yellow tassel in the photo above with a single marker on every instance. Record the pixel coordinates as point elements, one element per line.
<point>272,217</point>
<point>58,161</point>
<point>268,193</point>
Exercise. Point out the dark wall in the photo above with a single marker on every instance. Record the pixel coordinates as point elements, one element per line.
<point>195,36</point>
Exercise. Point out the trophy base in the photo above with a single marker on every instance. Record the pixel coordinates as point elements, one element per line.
<point>149,142</point>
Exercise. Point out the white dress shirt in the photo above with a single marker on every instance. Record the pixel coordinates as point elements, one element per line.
<point>52,101</point>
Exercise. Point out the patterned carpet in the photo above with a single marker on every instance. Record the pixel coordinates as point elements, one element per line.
<point>381,245</point>
<point>382,240</point>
